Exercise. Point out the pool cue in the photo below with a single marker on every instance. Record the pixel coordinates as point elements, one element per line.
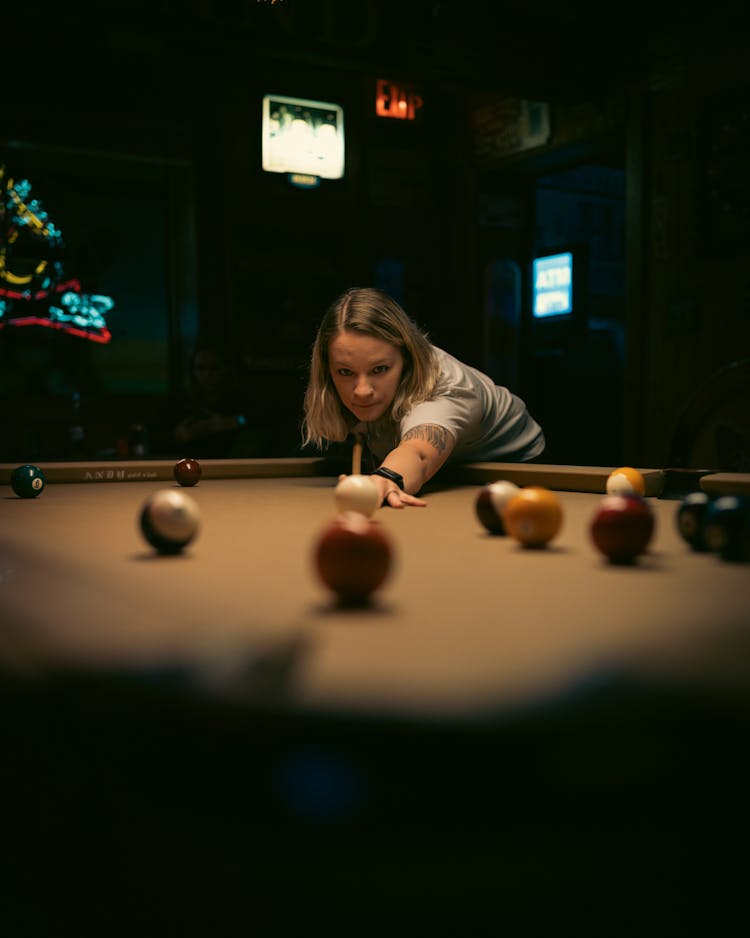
<point>357,456</point>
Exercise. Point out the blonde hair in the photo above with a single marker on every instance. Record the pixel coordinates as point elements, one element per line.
<point>371,312</point>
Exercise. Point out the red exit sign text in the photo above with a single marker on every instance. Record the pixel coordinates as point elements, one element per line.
<point>393,99</point>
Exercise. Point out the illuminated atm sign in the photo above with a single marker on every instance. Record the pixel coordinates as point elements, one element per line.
<point>553,285</point>
<point>400,101</point>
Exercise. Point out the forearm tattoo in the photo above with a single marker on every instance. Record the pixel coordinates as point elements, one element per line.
<point>437,437</point>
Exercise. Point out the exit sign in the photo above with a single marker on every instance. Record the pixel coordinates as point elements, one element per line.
<point>397,100</point>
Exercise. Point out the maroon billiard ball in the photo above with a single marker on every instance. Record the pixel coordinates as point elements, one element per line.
<point>490,503</point>
<point>353,556</point>
<point>169,520</point>
<point>621,527</point>
<point>188,472</point>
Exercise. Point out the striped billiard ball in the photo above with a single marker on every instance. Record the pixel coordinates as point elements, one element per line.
<point>490,503</point>
<point>169,520</point>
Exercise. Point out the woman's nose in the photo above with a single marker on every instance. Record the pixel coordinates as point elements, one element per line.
<point>363,388</point>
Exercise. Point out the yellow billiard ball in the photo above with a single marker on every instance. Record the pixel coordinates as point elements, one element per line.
<point>626,481</point>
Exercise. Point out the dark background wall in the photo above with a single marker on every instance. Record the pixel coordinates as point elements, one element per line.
<point>140,123</point>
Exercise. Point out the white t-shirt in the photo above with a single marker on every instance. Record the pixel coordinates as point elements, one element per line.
<point>488,422</point>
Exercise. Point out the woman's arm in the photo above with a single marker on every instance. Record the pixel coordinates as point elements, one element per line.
<point>418,456</point>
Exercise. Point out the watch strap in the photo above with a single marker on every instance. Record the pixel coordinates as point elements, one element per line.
<point>387,473</point>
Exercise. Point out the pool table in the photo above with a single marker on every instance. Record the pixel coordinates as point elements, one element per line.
<point>489,699</point>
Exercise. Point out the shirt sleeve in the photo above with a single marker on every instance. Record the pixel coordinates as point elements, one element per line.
<point>456,413</point>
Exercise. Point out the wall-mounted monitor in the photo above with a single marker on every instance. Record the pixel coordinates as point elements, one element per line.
<point>303,137</point>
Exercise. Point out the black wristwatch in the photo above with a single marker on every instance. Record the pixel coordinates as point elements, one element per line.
<point>387,473</point>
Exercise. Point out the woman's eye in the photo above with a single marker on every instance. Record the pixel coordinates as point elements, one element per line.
<point>343,372</point>
<point>380,369</point>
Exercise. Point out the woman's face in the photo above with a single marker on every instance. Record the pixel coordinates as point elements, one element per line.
<point>366,372</point>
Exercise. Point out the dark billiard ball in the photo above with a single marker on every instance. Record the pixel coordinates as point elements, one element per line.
<point>169,520</point>
<point>621,527</point>
<point>188,472</point>
<point>27,481</point>
<point>353,556</point>
<point>690,519</point>
<point>533,516</point>
<point>490,502</point>
<point>727,527</point>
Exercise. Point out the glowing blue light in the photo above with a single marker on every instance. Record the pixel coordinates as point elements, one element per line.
<point>83,310</point>
<point>553,285</point>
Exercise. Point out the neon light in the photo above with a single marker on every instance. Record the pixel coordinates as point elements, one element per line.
<point>25,228</point>
<point>101,337</point>
<point>395,100</point>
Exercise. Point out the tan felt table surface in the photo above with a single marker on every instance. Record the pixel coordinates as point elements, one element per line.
<point>467,624</point>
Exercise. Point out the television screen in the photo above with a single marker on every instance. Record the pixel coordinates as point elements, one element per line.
<point>303,137</point>
<point>552,285</point>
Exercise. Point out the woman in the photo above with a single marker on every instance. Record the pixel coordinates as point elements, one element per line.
<point>374,373</point>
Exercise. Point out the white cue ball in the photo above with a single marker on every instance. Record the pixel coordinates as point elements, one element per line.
<point>357,493</point>
<point>169,520</point>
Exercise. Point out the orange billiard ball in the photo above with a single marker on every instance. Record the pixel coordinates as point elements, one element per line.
<point>534,516</point>
<point>626,481</point>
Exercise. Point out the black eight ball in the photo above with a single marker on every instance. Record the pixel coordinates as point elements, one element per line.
<point>27,481</point>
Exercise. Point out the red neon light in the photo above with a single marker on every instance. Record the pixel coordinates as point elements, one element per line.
<point>394,100</point>
<point>103,335</point>
<point>73,285</point>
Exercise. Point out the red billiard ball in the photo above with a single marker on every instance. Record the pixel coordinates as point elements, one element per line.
<point>27,481</point>
<point>533,516</point>
<point>353,557</point>
<point>188,472</point>
<point>490,503</point>
<point>621,527</point>
<point>169,520</point>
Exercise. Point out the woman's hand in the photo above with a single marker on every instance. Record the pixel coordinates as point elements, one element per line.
<point>392,496</point>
